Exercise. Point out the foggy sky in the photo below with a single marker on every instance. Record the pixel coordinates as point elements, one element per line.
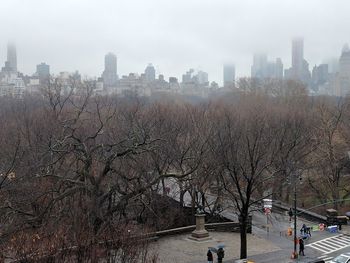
<point>174,35</point>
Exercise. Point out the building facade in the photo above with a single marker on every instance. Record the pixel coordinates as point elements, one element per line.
<point>43,72</point>
<point>259,67</point>
<point>297,57</point>
<point>342,87</point>
<point>229,75</point>
<point>150,73</point>
<point>109,76</point>
<point>12,56</point>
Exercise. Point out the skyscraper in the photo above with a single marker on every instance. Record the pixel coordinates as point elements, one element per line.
<point>150,73</point>
<point>259,68</point>
<point>109,75</point>
<point>319,75</point>
<point>343,79</point>
<point>43,71</point>
<point>300,67</point>
<point>12,56</point>
<point>297,57</point>
<point>279,69</point>
<point>202,78</point>
<point>229,75</point>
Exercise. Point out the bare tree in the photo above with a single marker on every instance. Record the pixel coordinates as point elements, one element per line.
<point>244,145</point>
<point>330,161</point>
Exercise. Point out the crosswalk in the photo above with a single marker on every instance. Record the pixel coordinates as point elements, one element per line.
<point>330,245</point>
<point>326,258</point>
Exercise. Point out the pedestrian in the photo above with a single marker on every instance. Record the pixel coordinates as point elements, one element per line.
<point>290,213</point>
<point>301,246</point>
<point>303,230</point>
<point>210,256</point>
<point>221,254</point>
<point>308,231</point>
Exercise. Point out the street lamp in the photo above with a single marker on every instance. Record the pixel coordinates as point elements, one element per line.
<point>295,254</point>
<point>294,174</point>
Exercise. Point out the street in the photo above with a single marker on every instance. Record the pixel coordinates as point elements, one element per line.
<point>322,244</point>
<point>273,227</point>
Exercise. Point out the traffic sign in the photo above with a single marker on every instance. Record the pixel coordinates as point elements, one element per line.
<point>267,203</point>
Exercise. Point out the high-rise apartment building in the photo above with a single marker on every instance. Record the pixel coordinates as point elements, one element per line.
<point>109,75</point>
<point>297,57</point>
<point>343,78</point>
<point>264,69</point>
<point>43,71</point>
<point>278,69</point>
<point>300,67</point>
<point>259,68</point>
<point>229,75</point>
<point>202,78</point>
<point>320,75</point>
<point>12,56</point>
<point>150,73</point>
<point>187,77</point>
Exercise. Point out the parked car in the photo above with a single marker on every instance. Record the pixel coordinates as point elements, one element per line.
<point>343,258</point>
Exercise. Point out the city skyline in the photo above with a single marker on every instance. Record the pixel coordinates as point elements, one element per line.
<point>263,59</point>
<point>166,34</point>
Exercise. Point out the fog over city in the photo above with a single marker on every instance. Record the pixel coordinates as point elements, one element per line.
<point>173,35</point>
<point>174,131</point>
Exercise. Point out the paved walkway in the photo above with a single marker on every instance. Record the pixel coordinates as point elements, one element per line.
<point>262,246</point>
<point>179,248</point>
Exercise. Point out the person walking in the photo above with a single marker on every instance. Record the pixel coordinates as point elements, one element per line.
<point>308,230</point>
<point>221,254</point>
<point>290,213</point>
<point>301,246</point>
<point>210,256</point>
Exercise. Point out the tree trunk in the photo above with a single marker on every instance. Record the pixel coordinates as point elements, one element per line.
<point>243,233</point>
<point>182,193</point>
<point>163,187</point>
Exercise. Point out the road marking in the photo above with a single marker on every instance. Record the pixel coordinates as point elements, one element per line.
<point>325,258</point>
<point>331,244</point>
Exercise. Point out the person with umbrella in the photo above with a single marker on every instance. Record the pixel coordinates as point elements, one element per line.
<point>210,256</point>
<point>221,253</point>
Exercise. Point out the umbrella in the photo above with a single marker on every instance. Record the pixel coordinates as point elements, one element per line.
<point>213,249</point>
<point>221,246</point>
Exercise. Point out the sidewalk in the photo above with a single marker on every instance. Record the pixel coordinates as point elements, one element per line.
<point>345,230</point>
<point>263,246</point>
<point>179,248</point>
<point>283,255</point>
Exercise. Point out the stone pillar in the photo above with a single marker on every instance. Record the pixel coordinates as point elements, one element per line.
<point>200,234</point>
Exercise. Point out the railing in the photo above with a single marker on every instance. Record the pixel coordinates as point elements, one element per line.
<point>312,216</point>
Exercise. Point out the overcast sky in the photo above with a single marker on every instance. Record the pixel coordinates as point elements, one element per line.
<point>174,35</point>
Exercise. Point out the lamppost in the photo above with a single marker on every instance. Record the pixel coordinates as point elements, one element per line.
<point>295,254</point>
<point>295,175</point>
